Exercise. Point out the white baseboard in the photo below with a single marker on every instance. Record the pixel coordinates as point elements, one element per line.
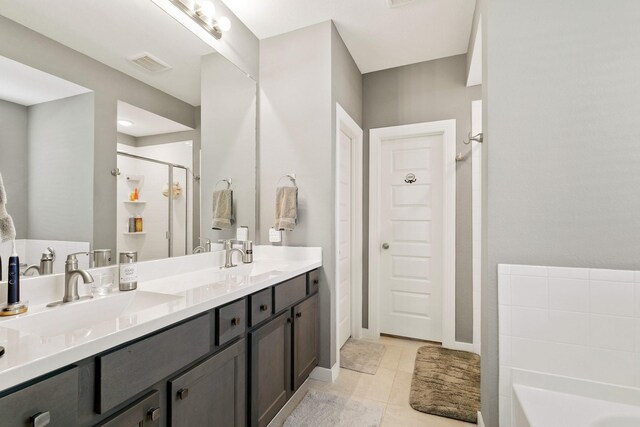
<point>457,345</point>
<point>325,374</point>
<point>480,420</point>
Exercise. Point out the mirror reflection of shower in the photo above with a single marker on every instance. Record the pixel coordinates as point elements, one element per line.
<point>154,184</point>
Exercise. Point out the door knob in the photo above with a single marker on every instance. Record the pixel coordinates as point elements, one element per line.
<point>385,246</point>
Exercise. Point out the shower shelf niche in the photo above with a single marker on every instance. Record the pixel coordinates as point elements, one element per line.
<point>127,233</point>
<point>135,202</point>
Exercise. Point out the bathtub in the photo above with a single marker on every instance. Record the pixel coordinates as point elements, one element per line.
<point>541,400</point>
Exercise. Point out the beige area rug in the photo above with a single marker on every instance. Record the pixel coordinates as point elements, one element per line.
<point>323,409</point>
<point>446,383</point>
<point>361,356</point>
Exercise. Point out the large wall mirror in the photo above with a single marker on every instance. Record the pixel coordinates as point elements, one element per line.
<point>127,138</point>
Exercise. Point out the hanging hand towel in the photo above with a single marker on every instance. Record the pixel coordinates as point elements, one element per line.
<point>286,208</point>
<point>222,209</point>
<point>7,229</point>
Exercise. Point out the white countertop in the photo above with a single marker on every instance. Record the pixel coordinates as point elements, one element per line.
<point>169,291</point>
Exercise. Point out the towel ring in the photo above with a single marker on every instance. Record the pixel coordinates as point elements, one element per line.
<point>291,177</point>
<point>225,180</point>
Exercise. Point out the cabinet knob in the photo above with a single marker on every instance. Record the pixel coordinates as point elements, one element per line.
<point>41,419</point>
<point>264,307</point>
<point>298,314</point>
<point>153,414</point>
<point>316,281</point>
<point>235,321</point>
<point>289,320</point>
<point>183,393</point>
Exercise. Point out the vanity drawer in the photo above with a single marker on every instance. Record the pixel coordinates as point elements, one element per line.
<point>125,372</point>
<point>55,398</point>
<point>261,306</point>
<point>313,281</point>
<point>231,321</point>
<point>290,292</point>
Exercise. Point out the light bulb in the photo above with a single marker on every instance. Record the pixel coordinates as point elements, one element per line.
<point>224,24</point>
<point>207,9</point>
<point>125,122</point>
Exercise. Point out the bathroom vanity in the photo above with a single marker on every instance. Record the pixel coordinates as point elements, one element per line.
<point>223,347</point>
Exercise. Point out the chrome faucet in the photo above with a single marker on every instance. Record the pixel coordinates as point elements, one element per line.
<point>227,245</point>
<point>71,274</point>
<point>203,248</point>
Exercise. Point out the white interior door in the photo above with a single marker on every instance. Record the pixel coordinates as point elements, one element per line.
<point>410,218</point>
<point>344,237</point>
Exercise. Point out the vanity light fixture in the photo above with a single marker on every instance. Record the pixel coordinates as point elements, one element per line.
<point>200,12</point>
<point>126,123</point>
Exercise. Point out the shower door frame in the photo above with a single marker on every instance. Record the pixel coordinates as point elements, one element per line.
<point>170,197</point>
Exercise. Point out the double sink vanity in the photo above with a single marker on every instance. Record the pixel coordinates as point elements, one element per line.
<point>195,344</point>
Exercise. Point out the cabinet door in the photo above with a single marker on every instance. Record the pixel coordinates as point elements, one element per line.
<point>212,393</point>
<point>51,402</point>
<point>270,369</point>
<point>305,339</point>
<point>145,412</point>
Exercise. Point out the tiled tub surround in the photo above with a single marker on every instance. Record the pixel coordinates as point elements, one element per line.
<point>571,322</point>
<point>190,285</point>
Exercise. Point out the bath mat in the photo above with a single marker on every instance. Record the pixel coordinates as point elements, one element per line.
<point>446,383</point>
<point>362,356</point>
<point>322,409</point>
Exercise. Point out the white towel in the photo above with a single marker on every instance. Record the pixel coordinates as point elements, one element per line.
<point>7,229</point>
<point>222,209</point>
<point>286,208</point>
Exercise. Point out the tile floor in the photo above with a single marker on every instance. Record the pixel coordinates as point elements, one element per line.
<point>390,386</point>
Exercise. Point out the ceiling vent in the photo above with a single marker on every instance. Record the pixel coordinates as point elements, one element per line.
<point>149,62</point>
<point>398,3</point>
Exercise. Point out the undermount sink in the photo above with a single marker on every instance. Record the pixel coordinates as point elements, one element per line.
<point>216,278</point>
<point>80,316</point>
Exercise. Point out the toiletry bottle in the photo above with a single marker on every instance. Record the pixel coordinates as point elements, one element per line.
<point>13,294</point>
<point>138,224</point>
<point>135,194</point>
<point>132,225</point>
<point>128,271</point>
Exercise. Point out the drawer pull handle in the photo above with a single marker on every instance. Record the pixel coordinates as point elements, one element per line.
<point>288,320</point>
<point>298,315</point>
<point>235,321</point>
<point>41,419</point>
<point>153,414</point>
<point>316,281</point>
<point>183,393</point>
<point>264,307</point>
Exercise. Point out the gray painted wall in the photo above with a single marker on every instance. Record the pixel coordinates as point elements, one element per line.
<point>13,162</point>
<point>428,91</point>
<point>295,136</point>
<point>228,143</point>
<point>24,45</point>
<point>562,136</point>
<point>60,159</point>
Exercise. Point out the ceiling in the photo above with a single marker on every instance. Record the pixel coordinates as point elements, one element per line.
<point>114,30</point>
<point>144,122</point>
<point>378,37</point>
<point>27,86</point>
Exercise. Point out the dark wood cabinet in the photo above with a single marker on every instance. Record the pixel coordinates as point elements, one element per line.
<point>54,399</point>
<point>212,393</point>
<point>270,368</point>
<point>305,340</point>
<point>145,412</point>
<point>233,365</point>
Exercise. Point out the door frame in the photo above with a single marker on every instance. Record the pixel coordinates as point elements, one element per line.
<point>346,124</point>
<point>446,128</point>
